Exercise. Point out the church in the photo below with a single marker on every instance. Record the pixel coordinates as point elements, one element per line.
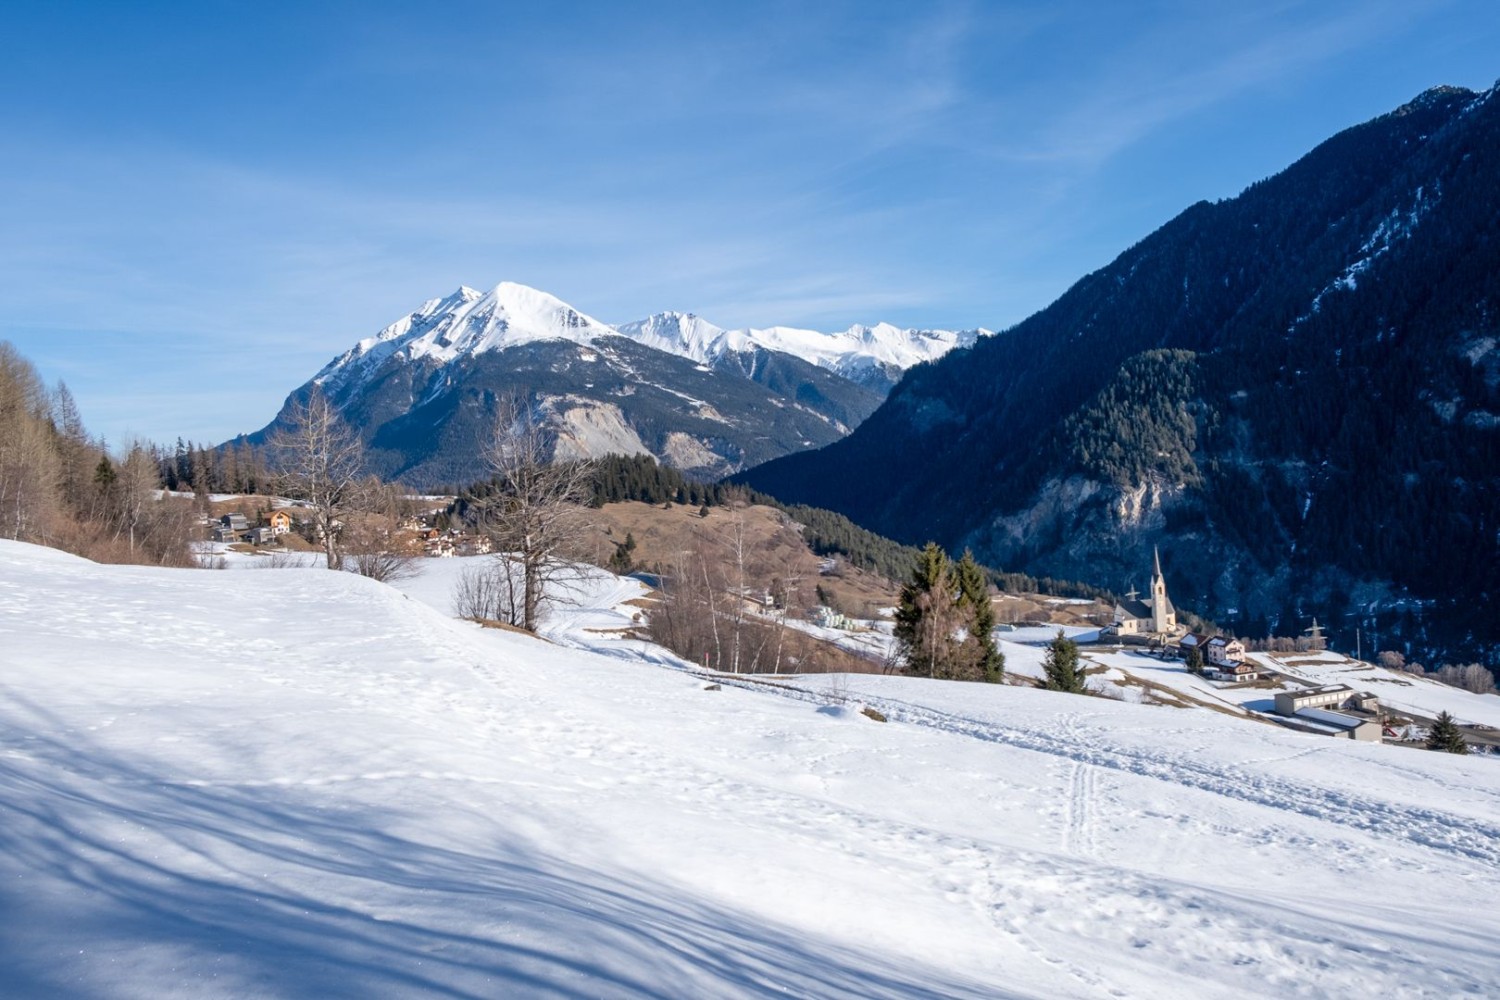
<point>1152,617</point>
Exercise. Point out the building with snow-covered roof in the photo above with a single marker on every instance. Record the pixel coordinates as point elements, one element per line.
<point>1328,696</point>
<point>1340,724</point>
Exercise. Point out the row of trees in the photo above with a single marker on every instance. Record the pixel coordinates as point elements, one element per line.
<point>61,487</point>
<point>945,624</point>
<point>237,467</point>
<point>1474,677</point>
<point>532,511</point>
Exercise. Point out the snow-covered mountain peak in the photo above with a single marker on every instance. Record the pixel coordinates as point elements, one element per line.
<point>470,322</point>
<point>857,349</point>
<point>465,323</point>
<point>677,333</point>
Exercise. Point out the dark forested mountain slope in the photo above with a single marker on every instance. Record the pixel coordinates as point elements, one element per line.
<point>1295,392</point>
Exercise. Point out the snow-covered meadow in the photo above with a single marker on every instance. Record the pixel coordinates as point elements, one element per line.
<point>299,783</point>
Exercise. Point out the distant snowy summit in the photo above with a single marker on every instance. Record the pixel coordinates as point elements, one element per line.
<point>700,398</point>
<point>468,323</point>
<point>864,354</point>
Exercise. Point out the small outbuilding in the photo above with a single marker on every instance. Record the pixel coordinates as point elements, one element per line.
<point>1334,696</point>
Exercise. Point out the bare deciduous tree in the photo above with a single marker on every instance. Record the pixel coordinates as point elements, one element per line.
<point>319,459</point>
<point>1473,677</point>
<point>372,538</point>
<point>489,591</point>
<point>537,517</point>
<point>136,481</point>
<point>30,475</point>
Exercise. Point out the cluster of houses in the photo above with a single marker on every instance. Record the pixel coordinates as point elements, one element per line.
<point>422,528</point>
<point>1334,710</point>
<point>453,542</point>
<point>236,527</point>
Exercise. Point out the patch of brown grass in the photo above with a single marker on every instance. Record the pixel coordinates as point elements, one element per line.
<point>506,627</point>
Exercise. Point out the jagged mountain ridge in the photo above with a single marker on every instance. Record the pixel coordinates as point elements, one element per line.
<point>870,355</point>
<point>470,322</point>
<point>709,401</point>
<point>1293,392</point>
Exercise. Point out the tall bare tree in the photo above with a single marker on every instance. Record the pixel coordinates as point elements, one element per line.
<point>136,480</point>
<point>318,460</point>
<point>30,473</point>
<point>536,518</point>
<point>372,538</point>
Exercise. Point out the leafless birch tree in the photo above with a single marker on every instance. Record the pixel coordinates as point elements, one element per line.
<point>536,517</point>
<point>318,459</point>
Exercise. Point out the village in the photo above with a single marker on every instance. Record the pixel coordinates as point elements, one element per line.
<point>278,522</point>
<point>1138,649</point>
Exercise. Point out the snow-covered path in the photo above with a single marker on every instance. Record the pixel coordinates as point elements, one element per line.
<point>291,783</point>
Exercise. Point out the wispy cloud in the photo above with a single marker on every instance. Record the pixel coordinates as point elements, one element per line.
<point>1181,67</point>
<point>937,164</point>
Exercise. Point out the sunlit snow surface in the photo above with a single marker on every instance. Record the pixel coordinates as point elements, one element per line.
<point>300,783</point>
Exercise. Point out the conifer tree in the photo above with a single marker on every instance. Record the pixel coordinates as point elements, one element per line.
<point>1061,666</point>
<point>623,560</point>
<point>944,622</point>
<point>1446,736</point>
<point>925,618</point>
<point>974,596</point>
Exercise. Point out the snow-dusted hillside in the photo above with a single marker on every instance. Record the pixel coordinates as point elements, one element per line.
<point>469,322</point>
<point>301,783</point>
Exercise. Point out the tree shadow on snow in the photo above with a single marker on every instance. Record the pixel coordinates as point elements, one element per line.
<point>115,883</point>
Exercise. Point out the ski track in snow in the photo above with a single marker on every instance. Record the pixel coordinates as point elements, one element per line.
<point>1431,828</point>
<point>1436,829</point>
<point>1086,895</point>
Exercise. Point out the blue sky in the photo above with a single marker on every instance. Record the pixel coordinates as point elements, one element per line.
<point>202,203</point>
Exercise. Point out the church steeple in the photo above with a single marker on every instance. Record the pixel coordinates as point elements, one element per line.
<point>1163,615</point>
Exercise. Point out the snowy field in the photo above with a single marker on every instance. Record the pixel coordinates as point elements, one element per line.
<point>293,783</point>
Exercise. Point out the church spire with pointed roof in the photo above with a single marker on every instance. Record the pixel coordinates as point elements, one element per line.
<point>1163,615</point>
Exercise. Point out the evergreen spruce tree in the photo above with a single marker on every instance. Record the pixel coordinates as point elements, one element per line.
<point>1061,666</point>
<point>945,623</point>
<point>1446,736</point>
<point>974,596</point>
<point>623,560</point>
<point>925,616</point>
